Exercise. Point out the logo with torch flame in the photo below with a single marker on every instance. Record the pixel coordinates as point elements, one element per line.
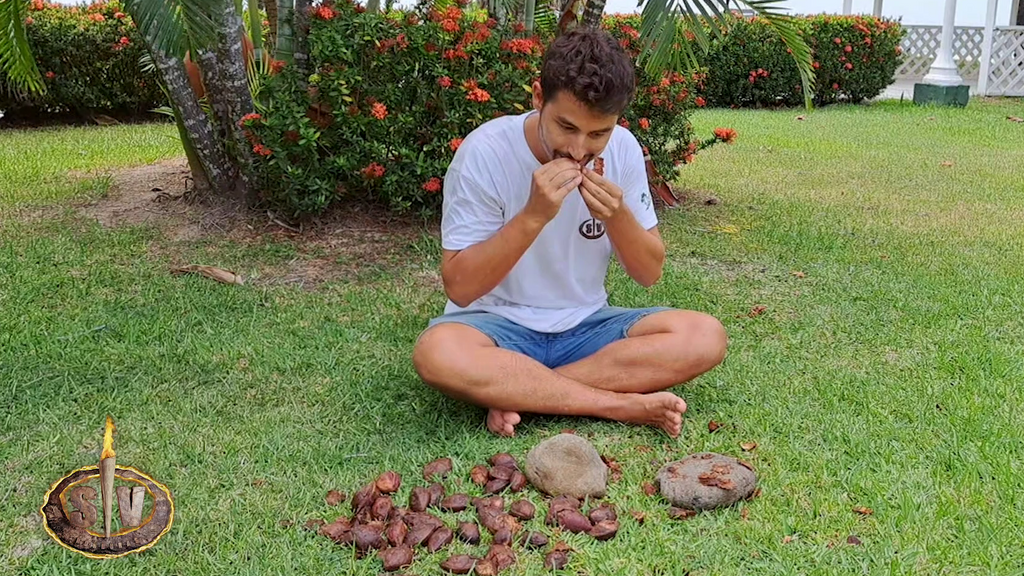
<point>69,512</point>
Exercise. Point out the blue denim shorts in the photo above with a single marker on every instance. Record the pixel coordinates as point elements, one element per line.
<point>596,331</point>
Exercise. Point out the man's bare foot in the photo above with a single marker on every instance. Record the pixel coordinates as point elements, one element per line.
<point>502,422</point>
<point>661,409</point>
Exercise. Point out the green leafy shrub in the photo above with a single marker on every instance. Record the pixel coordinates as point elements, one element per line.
<point>90,60</point>
<point>855,58</point>
<point>393,94</point>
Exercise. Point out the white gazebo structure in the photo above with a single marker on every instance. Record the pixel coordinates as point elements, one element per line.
<point>987,60</point>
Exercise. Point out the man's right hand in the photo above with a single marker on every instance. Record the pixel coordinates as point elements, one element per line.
<point>552,182</point>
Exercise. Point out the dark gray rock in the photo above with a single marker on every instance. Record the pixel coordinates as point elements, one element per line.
<point>705,480</point>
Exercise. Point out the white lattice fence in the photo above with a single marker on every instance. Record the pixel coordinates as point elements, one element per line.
<point>1006,77</point>
<point>921,44</point>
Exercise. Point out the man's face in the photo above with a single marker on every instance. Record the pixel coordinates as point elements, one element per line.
<point>570,129</point>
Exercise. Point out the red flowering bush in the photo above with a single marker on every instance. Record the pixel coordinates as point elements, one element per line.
<point>89,59</point>
<point>854,58</point>
<point>392,96</point>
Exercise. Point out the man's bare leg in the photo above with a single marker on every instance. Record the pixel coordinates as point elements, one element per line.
<point>463,363</point>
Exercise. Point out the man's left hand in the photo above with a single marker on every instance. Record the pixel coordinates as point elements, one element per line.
<point>603,197</point>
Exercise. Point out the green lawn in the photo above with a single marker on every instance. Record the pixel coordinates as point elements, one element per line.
<point>889,376</point>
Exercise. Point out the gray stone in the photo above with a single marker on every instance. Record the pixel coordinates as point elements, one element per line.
<point>705,480</point>
<point>567,464</point>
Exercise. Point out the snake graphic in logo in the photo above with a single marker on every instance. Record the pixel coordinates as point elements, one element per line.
<point>592,229</point>
<point>145,508</point>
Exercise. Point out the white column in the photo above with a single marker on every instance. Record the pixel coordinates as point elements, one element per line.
<point>847,6</point>
<point>943,71</point>
<point>877,11</point>
<point>986,46</point>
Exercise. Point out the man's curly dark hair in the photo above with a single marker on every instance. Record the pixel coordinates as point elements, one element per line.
<point>591,65</point>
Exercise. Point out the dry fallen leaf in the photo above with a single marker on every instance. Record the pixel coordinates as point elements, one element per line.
<point>757,311</point>
<point>681,513</point>
<point>745,513</point>
<point>748,446</point>
<point>1015,119</point>
<point>798,274</point>
<point>754,494</point>
<point>218,274</point>
<point>644,449</point>
<point>314,524</point>
<point>853,540</point>
<point>788,539</point>
<point>649,489</point>
<point>638,516</point>
<point>712,426</point>
<point>800,117</point>
<point>863,510</point>
<point>285,523</point>
<point>946,163</point>
<point>334,498</point>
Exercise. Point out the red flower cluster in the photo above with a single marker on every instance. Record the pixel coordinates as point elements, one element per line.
<point>374,170</point>
<point>455,143</point>
<point>522,46</point>
<point>478,95</point>
<point>388,43</point>
<point>262,150</point>
<point>378,111</point>
<point>645,123</point>
<point>29,21</point>
<point>727,135</point>
<point>433,185</point>
<point>700,102</point>
<point>96,17</point>
<point>444,82</point>
<point>251,116</point>
<point>755,74</point>
<point>323,12</point>
<point>450,26</point>
<point>451,54</point>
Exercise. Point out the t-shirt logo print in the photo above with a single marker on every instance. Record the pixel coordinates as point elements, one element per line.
<point>592,229</point>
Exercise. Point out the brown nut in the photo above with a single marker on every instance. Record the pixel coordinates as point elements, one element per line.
<point>503,536</point>
<point>418,534</point>
<point>440,467</point>
<point>534,539</point>
<point>574,521</point>
<point>396,532</point>
<point>458,564</point>
<point>556,559</point>
<point>517,482</point>
<point>502,556</point>
<point>337,530</point>
<point>455,503</point>
<point>367,536</point>
<point>334,497</point>
<point>436,492</point>
<point>503,459</point>
<point>522,509</point>
<point>440,538</point>
<point>485,567</point>
<point>389,482</point>
<point>489,502</point>
<point>605,529</point>
<point>382,508</point>
<point>501,472</point>
<point>364,498</point>
<point>601,513</point>
<point>397,557</point>
<point>496,485</point>
<point>419,499</point>
<point>469,532</point>
<point>479,475</point>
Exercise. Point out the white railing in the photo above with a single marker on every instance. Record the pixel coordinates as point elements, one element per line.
<point>1006,66</point>
<point>921,45</point>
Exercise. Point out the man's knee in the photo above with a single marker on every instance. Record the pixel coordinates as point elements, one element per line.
<point>714,339</point>
<point>436,352</point>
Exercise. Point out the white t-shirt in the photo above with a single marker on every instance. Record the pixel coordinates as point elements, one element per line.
<point>560,279</point>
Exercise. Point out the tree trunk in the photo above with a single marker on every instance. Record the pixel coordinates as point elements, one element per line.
<point>1020,14</point>
<point>208,147</point>
<point>227,90</point>
<point>300,38</point>
<point>592,13</point>
<point>271,7</point>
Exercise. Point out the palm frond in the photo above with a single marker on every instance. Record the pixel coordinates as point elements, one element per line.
<point>545,19</point>
<point>790,35</point>
<point>16,60</point>
<point>173,26</point>
<point>255,26</point>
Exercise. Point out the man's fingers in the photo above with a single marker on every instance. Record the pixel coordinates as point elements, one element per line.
<point>567,187</point>
<point>564,174</point>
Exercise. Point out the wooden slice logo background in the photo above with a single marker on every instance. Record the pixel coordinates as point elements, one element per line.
<point>94,544</point>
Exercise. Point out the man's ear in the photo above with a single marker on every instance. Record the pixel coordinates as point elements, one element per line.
<point>538,95</point>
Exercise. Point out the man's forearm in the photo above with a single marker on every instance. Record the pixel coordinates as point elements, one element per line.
<point>476,270</point>
<point>641,253</point>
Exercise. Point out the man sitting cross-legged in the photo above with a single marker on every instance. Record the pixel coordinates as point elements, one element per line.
<point>529,226</point>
